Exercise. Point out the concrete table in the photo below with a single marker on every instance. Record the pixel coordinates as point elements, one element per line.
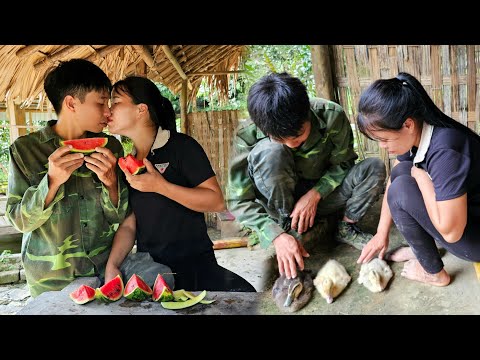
<point>59,303</point>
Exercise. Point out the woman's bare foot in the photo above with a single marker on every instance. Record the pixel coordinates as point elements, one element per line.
<point>414,271</point>
<point>401,254</point>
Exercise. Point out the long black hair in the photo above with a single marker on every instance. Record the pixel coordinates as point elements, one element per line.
<point>144,91</point>
<point>387,103</point>
<point>279,105</point>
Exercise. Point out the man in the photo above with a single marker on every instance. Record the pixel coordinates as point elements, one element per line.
<point>294,164</point>
<point>67,204</point>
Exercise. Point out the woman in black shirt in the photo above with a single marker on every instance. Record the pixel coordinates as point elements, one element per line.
<point>433,194</point>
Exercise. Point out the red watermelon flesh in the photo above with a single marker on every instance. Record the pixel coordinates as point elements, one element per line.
<point>132,164</point>
<point>161,290</point>
<point>111,291</point>
<point>83,294</point>
<point>136,289</point>
<point>86,145</point>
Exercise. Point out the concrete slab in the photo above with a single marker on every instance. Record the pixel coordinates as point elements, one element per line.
<point>59,303</point>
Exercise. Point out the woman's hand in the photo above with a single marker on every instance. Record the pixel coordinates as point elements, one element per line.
<point>377,245</point>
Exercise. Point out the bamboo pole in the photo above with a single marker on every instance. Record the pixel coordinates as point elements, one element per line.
<point>183,107</point>
<point>322,71</point>
<point>170,56</point>
<point>230,243</point>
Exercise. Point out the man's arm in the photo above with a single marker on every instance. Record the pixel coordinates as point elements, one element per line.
<point>26,208</point>
<point>342,157</point>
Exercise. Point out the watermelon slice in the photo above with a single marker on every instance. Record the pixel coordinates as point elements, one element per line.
<point>136,289</point>
<point>132,164</point>
<point>83,294</point>
<point>86,145</point>
<point>111,291</point>
<point>161,290</point>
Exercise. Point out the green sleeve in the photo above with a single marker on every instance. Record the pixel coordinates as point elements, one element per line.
<point>241,196</point>
<point>26,204</point>
<point>342,157</point>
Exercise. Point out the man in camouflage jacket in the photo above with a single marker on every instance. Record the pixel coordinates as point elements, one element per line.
<point>295,164</point>
<point>67,205</point>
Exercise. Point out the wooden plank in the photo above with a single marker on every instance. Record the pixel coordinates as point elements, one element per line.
<point>436,91</point>
<point>454,79</point>
<point>471,77</point>
<point>230,243</point>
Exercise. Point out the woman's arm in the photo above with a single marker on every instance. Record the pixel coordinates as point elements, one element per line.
<point>379,242</point>
<point>122,245</point>
<point>448,216</point>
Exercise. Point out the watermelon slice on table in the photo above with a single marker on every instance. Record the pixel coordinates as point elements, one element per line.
<point>161,290</point>
<point>136,289</point>
<point>86,145</point>
<point>132,164</point>
<point>83,294</point>
<point>111,291</point>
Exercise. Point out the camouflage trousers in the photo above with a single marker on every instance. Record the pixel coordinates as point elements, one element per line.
<point>271,167</point>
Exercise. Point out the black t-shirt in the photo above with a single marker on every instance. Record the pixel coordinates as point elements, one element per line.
<point>453,163</point>
<point>170,232</point>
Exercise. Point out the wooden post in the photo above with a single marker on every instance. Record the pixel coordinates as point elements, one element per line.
<point>183,107</point>
<point>322,71</point>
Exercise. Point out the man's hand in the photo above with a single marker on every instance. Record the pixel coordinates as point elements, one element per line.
<point>61,165</point>
<point>377,244</point>
<point>110,272</point>
<point>304,212</point>
<point>290,253</point>
<point>103,163</point>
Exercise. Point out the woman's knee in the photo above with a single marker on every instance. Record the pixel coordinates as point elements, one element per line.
<point>402,191</point>
<point>402,168</point>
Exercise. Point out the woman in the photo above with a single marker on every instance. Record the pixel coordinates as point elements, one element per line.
<point>169,199</point>
<point>433,194</point>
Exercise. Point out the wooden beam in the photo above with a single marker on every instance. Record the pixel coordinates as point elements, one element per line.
<point>210,73</point>
<point>183,107</point>
<point>59,55</point>
<point>11,118</point>
<point>322,71</point>
<point>28,50</point>
<point>168,53</point>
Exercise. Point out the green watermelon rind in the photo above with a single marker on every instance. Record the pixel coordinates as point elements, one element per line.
<point>137,294</point>
<point>177,305</point>
<point>89,150</point>
<point>103,297</point>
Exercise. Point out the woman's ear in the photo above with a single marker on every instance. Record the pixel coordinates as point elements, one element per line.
<point>143,109</point>
<point>410,124</point>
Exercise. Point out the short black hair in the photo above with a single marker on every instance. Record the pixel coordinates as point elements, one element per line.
<point>278,104</point>
<point>75,77</point>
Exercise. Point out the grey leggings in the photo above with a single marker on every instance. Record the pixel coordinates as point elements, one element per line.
<point>411,218</point>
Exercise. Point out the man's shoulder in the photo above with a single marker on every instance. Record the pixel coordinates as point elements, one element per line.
<point>28,140</point>
<point>320,104</point>
<point>249,132</point>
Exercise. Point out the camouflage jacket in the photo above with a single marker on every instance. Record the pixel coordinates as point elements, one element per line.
<point>327,155</point>
<point>72,236</point>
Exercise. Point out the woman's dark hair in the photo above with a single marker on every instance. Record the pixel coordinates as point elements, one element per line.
<point>144,91</point>
<point>75,77</point>
<point>279,105</point>
<point>387,103</point>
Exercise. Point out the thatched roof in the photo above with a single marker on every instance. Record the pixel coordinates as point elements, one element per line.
<point>23,67</point>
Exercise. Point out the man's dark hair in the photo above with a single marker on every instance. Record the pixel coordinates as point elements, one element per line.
<point>76,77</point>
<point>279,105</point>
